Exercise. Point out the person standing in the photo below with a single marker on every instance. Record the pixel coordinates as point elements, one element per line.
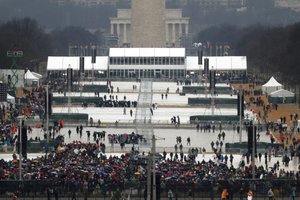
<point>259,156</point>
<point>231,159</point>
<point>164,154</point>
<point>131,112</point>
<point>198,127</point>
<point>14,197</point>
<point>271,194</point>
<point>190,194</point>
<point>224,194</point>
<point>203,151</point>
<point>250,195</point>
<point>178,120</point>
<point>293,193</point>
<point>188,141</point>
<point>212,144</point>
<point>223,135</point>
<point>91,121</point>
<point>170,194</point>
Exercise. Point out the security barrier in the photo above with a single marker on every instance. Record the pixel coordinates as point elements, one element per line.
<point>218,101</point>
<point>216,118</point>
<point>201,90</point>
<point>279,100</point>
<point>76,100</point>
<point>203,189</point>
<point>243,147</point>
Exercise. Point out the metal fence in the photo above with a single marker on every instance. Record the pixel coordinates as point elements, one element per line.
<point>282,189</point>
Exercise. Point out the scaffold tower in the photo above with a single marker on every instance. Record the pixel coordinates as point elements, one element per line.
<point>143,116</point>
<point>14,55</point>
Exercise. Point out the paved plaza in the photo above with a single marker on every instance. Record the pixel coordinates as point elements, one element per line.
<point>174,105</point>
<point>166,141</point>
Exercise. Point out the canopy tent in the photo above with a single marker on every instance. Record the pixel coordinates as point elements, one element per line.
<point>282,96</point>
<point>282,93</point>
<point>10,98</point>
<point>37,75</point>
<point>30,79</point>
<point>271,86</point>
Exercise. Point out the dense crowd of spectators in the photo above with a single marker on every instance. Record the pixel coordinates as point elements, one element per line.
<point>80,162</point>
<point>33,104</point>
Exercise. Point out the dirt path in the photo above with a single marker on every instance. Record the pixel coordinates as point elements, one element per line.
<point>284,110</point>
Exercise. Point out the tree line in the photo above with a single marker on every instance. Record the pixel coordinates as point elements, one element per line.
<point>269,50</point>
<point>26,35</point>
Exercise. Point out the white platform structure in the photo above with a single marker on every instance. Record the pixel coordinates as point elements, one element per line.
<point>158,63</point>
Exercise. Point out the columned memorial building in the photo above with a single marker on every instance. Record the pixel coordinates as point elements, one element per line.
<point>155,63</point>
<point>175,26</point>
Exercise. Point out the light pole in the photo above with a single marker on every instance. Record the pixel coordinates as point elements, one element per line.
<point>153,170</point>
<point>200,54</point>
<point>47,113</point>
<point>21,118</point>
<point>212,90</point>
<point>153,167</point>
<point>253,148</point>
<point>240,94</point>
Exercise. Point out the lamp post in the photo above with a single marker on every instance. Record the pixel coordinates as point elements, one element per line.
<point>21,118</point>
<point>151,161</point>
<point>253,148</point>
<point>47,113</point>
<point>240,94</point>
<point>200,54</point>
<point>153,167</point>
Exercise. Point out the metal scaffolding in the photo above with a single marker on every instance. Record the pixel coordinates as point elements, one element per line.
<point>143,116</point>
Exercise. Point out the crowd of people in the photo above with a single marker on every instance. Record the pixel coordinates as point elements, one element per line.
<point>125,138</point>
<point>76,166</point>
<point>33,105</point>
<point>115,103</point>
<point>85,166</point>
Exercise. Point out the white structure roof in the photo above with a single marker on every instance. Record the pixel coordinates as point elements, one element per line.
<point>37,75</point>
<point>64,62</point>
<point>218,63</point>
<point>9,97</point>
<point>29,76</point>
<point>272,83</point>
<point>282,93</point>
<point>146,52</point>
<point>271,86</point>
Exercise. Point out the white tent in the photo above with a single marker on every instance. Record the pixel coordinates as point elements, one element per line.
<point>271,86</point>
<point>282,93</point>
<point>10,98</point>
<point>37,75</point>
<point>31,79</point>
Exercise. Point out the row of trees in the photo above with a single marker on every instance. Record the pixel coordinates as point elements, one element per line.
<point>26,35</point>
<point>269,50</point>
